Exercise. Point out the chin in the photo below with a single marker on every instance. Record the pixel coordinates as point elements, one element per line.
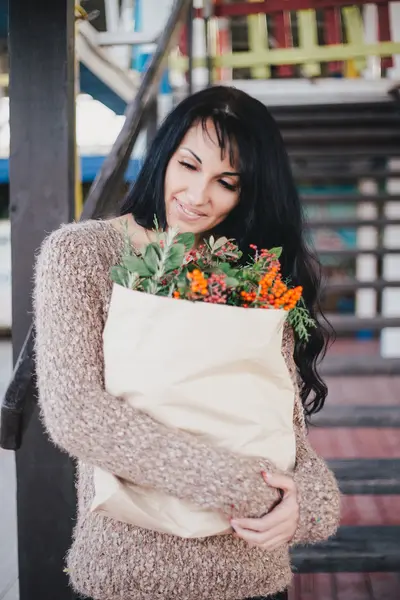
<point>184,227</point>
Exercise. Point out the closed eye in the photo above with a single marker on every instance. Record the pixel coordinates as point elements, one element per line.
<point>187,165</point>
<point>228,186</point>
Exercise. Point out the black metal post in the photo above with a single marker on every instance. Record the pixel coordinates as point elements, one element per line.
<point>42,118</point>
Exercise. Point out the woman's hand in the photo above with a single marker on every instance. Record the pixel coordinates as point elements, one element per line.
<point>277,527</point>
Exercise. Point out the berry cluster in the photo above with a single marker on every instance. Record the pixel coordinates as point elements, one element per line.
<point>198,283</point>
<point>217,289</point>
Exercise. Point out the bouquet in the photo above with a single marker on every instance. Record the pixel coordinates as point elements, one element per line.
<point>185,343</point>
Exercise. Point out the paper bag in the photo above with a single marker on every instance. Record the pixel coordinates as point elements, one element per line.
<point>214,371</point>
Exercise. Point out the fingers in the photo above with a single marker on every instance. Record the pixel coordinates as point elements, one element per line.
<point>282,482</point>
<point>273,530</point>
<point>267,539</point>
<point>284,512</point>
<point>249,524</point>
<point>275,543</point>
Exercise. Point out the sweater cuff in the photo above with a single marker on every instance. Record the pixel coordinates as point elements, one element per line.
<point>319,509</point>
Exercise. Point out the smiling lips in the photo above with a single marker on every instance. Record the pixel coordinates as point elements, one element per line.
<point>190,214</point>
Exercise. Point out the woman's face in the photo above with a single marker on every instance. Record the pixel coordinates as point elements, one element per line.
<point>201,187</point>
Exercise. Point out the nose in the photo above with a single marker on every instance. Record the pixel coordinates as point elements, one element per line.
<point>197,194</point>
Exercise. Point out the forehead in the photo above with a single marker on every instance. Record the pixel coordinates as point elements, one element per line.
<point>203,140</point>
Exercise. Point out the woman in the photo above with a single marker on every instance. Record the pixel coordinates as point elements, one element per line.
<point>217,165</point>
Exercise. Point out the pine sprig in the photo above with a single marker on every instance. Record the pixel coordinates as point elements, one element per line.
<point>300,320</point>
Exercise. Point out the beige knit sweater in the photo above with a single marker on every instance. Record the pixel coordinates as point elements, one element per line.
<point>110,560</point>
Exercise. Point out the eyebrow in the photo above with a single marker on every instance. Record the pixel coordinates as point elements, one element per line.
<point>231,173</point>
<point>226,173</point>
<point>195,155</point>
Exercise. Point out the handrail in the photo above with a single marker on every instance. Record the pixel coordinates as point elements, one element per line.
<point>100,198</point>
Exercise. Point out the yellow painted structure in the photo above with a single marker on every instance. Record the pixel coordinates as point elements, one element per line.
<point>308,40</point>
<point>258,42</point>
<point>293,56</point>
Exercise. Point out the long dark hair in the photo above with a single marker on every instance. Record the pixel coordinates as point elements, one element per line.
<point>269,211</point>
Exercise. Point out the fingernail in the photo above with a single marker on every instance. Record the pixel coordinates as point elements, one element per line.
<point>264,475</point>
<point>233,523</point>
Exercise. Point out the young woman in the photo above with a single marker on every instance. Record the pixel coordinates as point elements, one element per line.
<point>218,165</point>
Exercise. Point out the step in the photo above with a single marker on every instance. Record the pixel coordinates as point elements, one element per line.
<point>334,110</point>
<point>343,119</point>
<point>357,365</point>
<point>337,174</point>
<point>354,198</point>
<point>358,476</point>
<point>326,137</point>
<point>345,152</point>
<point>361,549</point>
<point>357,415</point>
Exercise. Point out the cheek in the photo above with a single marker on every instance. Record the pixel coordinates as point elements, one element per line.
<point>224,203</point>
<point>171,180</point>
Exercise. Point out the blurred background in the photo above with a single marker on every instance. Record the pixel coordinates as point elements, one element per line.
<point>86,85</point>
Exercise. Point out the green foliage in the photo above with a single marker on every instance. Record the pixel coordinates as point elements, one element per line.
<point>171,266</point>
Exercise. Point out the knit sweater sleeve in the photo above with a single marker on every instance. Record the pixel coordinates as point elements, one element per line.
<point>317,488</point>
<point>71,276</point>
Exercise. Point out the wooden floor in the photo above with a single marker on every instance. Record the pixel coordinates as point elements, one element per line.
<point>346,586</point>
<point>331,443</point>
<point>357,510</point>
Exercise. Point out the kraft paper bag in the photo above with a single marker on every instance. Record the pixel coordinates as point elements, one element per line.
<point>214,371</point>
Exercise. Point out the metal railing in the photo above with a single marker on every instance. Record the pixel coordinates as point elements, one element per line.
<point>140,114</point>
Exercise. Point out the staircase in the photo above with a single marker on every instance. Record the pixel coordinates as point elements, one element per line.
<point>351,150</point>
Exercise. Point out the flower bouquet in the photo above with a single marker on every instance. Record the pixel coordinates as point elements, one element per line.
<point>185,343</point>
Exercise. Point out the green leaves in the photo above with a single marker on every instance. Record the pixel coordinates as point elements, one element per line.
<point>277,252</point>
<point>225,268</point>
<point>187,239</point>
<point>216,245</point>
<point>136,264</point>
<point>232,275</point>
<point>232,282</point>
<point>175,258</point>
<point>301,321</point>
<point>167,266</point>
<point>119,275</point>
<point>152,258</point>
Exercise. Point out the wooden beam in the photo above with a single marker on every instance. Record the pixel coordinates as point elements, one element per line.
<point>102,65</point>
<point>42,186</point>
<point>293,56</point>
<point>242,9</point>
<point>361,549</point>
<point>308,40</point>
